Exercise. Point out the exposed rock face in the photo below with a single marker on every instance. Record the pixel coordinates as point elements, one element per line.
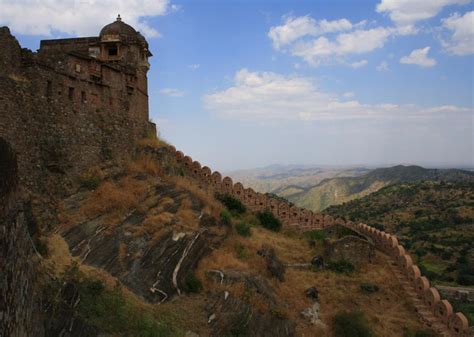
<point>354,249</point>
<point>234,317</point>
<point>274,266</point>
<point>155,269</point>
<point>254,281</point>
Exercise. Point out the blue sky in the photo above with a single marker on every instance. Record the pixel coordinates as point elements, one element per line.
<point>241,84</point>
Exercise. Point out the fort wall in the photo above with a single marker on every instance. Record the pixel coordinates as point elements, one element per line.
<point>63,111</point>
<point>431,308</point>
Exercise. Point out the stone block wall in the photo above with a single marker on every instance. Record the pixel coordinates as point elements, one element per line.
<point>64,112</point>
<point>18,305</point>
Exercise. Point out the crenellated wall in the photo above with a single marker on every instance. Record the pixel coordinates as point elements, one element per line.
<point>433,310</point>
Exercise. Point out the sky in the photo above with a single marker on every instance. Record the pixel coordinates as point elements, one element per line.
<point>244,84</point>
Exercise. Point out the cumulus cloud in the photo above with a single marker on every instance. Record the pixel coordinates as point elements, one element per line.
<point>461,41</point>
<point>406,13</point>
<point>419,57</point>
<point>359,64</point>
<point>317,41</point>
<point>79,17</point>
<point>294,28</point>
<point>271,96</point>
<point>383,66</point>
<point>172,92</point>
<point>194,66</point>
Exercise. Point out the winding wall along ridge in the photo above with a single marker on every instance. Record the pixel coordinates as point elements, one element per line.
<point>432,309</point>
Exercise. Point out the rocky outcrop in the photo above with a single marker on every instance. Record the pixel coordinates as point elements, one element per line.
<point>155,268</point>
<point>274,266</point>
<point>230,316</point>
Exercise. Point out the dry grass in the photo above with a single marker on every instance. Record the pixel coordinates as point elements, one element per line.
<point>153,142</point>
<point>388,310</point>
<point>206,196</point>
<point>144,164</point>
<point>114,199</point>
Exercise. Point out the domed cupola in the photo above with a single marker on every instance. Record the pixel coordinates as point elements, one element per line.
<point>118,30</point>
<point>121,42</point>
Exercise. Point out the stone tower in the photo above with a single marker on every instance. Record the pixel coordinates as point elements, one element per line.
<point>75,102</point>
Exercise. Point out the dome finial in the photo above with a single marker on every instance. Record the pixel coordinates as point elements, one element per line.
<point>119,18</point>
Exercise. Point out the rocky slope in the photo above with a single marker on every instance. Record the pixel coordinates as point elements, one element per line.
<point>141,250</point>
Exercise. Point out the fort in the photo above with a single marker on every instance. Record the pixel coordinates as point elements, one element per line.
<point>73,103</point>
<point>80,101</point>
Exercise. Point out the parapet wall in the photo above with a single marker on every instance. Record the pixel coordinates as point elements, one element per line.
<point>432,309</point>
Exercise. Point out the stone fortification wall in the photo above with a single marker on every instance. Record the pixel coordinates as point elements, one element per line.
<point>63,112</point>
<point>18,308</point>
<point>431,308</point>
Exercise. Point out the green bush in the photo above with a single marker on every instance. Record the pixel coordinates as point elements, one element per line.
<point>241,251</point>
<point>351,324</point>
<point>341,267</point>
<point>369,288</point>
<point>226,217</point>
<point>112,314</point>
<point>90,182</point>
<point>232,204</point>
<point>192,284</point>
<point>319,235</point>
<point>243,229</point>
<point>269,221</point>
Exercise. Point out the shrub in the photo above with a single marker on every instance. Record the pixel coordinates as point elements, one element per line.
<point>269,221</point>
<point>90,182</point>
<point>369,288</point>
<point>243,229</point>
<point>241,251</point>
<point>341,266</point>
<point>351,324</point>
<point>319,235</point>
<point>226,217</point>
<point>234,205</point>
<point>192,284</point>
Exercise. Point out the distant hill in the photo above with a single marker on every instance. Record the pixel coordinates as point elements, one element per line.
<point>290,179</point>
<point>435,220</point>
<point>336,190</point>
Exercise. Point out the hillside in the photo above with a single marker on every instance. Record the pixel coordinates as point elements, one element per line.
<point>292,179</point>
<point>334,191</point>
<point>140,246</point>
<point>435,220</point>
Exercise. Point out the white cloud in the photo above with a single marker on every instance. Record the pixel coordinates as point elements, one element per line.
<point>172,92</point>
<point>355,42</point>
<point>359,64</point>
<point>317,41</point>
<point>79,17</point>
<point>271,96</point>
<point>383,66</point>
<point>406,13</point>
<point>461,41</point>
<point>295,28</point>
<point>349,94</point>
<point>419,57</point>
<point>194,66</point>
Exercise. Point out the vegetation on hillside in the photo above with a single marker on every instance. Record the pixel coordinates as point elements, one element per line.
<point>338,190</point>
